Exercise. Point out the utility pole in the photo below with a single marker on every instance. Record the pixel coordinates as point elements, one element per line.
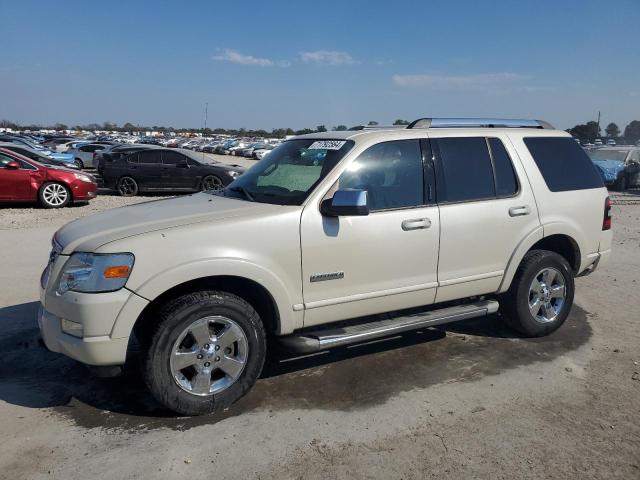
<point>598,132</point>
<point>206,114</point>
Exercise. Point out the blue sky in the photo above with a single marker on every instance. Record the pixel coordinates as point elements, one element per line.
<point>268,64</point>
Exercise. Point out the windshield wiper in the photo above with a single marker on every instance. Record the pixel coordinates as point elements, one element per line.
<point>243,191</point>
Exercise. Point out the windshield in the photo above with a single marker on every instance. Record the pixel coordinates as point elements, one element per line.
<point>290,172</point>
<point>619,155</point>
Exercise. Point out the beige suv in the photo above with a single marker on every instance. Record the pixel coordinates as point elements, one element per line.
<point>446,219</point>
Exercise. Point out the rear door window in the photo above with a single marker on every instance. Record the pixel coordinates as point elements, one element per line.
<point>149,157</point>
<point>466,171</point>
<point>563,164</point>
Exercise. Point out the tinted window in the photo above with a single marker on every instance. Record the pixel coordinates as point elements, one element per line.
<point>506,182</point>
<point>390,172</point>
<point>173,158</point>
<point>149,157</point>
<point>466,169</point>
<point>563,164</point>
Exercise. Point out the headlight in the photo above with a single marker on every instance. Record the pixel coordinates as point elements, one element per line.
<point>92,273</point>
<point>234,174</point>
<point>82,178</point>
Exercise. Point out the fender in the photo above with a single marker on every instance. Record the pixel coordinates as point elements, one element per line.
<point>518,254</point>
<point>152,288</point>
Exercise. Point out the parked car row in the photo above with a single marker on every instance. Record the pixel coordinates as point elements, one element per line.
<point>31,172</point>
<point>619,166</point>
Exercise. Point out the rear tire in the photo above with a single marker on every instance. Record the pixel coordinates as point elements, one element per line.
<point>541,294</point>
<point>188,365</point>
<point>621,183</point>
<point>54,195</point>
<point>127,187</point>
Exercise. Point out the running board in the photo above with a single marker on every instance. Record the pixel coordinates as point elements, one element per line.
<point>322,339</point>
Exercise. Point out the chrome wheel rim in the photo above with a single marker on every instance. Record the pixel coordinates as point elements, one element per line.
<point>209,355</point>
<point>547,295</point>
<point>127,186</point>
<point>55,194</point>
<point>212,183</point>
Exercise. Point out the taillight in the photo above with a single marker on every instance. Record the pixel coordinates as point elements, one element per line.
<point>606,223</point>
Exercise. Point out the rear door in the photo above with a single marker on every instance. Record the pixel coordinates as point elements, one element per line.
<point>486,208</point>
<point>176,172</point>
<point>147,170</point>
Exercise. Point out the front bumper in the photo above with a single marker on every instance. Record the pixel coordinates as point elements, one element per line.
<point>99,351</point>
<point>107,320</point>
<point>83,191</point>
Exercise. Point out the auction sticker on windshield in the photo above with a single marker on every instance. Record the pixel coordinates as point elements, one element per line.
<point>326,145</point>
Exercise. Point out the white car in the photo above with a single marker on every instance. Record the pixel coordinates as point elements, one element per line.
<point>84,154</point>
<point>451,218</point>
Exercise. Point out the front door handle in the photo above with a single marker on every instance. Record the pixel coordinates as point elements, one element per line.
<point>416,224</point>
<point>519,211</point>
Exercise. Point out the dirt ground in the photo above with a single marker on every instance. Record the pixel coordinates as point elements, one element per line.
<point>467,400</point>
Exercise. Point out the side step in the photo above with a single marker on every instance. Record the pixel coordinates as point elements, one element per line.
<point>322,339</point>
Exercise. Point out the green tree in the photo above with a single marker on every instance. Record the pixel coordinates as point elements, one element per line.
<point>321,128</point>
<point>372,123</point>
<point>60,126</point>
<point>586,132</point>
<point>401,122</point>
<point>129,127</point>
<point>612,130</point>
<point>632,132</point>
<point>340,128</point>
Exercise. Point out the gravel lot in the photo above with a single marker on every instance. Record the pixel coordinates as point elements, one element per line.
<point>466,400</point>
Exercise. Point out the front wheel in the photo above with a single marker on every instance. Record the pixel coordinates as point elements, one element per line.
<point>127,187</point>
<point>621,183</point>
<point>541,294</point>
<point>206,351</point>
<point>79,163</point>
<point>54,195</point>
<point>211,182</point>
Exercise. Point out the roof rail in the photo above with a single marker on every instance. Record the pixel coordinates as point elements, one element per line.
<point>478,122</point>
<point>377,127</point>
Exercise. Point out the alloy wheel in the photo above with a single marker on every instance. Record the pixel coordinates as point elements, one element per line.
<point>55,194</point>
<point>547,295</point>
<point>209,355</point>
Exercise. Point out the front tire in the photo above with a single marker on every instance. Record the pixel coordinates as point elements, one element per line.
<point>206,351</point>
<point>211,182</point>
<point>79,163</point>
<point>127,187</point>
<point>54,195</point>
<point>541,294</point>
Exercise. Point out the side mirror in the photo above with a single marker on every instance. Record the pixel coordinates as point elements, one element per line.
<point>12,166</point>
<point>346,203</point>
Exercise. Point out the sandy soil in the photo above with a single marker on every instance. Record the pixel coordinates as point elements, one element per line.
<point>468,400</point>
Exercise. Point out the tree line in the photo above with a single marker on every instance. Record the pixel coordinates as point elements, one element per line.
<point>590,131</point>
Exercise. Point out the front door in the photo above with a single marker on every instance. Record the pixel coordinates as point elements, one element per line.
<point>176,172</point>
<point>15,184</point>
<point>360,265</point>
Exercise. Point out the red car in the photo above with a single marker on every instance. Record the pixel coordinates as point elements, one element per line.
<point>25,180</point>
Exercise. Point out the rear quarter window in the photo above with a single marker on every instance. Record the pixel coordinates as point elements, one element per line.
<point>563,163</point>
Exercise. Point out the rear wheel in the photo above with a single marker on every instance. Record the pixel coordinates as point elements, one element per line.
<point>54,195</point>
<point>206,351</point>
<point>127,187</point>
<point>541,294</point>
<point>211,182</point>
<point>621,183</point>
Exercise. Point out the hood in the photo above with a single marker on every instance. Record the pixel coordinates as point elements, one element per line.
<point>93,231</point>
<point>609,169</point>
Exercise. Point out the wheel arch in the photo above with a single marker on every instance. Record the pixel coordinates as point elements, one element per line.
<point>562,244</point>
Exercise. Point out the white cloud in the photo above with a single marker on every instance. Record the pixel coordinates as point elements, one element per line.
<point>233,56</point>
<point>473,82</point>
<point>326,57</point>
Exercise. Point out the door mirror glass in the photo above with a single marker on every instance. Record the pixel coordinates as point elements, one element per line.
<point>346,203</point>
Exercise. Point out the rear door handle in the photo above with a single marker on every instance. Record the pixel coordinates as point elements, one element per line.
<point>416,224</point>
<point>519,211</point>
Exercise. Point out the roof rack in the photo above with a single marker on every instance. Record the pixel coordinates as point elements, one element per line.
<point>376,127</point>
<point>478,122</point>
